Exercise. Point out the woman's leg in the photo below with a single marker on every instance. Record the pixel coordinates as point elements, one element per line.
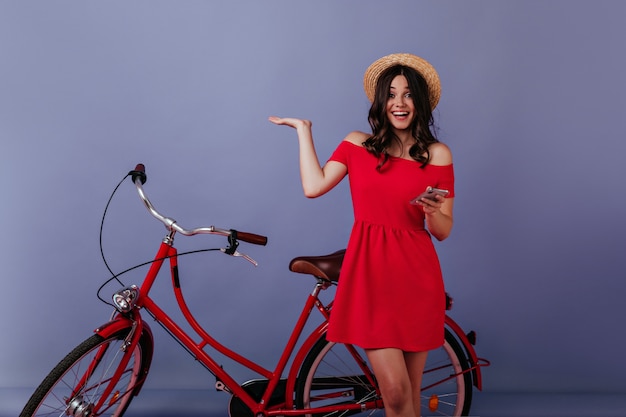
<point>415,363</point>
<point>391,368</point>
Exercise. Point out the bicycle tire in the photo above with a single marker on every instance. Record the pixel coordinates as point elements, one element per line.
<point>446,375</point>
<point>55,395</point>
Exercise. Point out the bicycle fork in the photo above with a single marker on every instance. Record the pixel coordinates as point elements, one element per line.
<point>137,328</point>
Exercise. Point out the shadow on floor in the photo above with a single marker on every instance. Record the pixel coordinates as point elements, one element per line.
<point>209,403</point>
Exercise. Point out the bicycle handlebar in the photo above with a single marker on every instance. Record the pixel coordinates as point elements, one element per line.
<point>139,178</point>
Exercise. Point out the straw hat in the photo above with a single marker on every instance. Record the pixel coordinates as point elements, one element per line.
<point>419,64</point>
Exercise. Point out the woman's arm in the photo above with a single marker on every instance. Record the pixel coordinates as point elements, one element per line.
<point>316,180</point>
<point>439,217</point>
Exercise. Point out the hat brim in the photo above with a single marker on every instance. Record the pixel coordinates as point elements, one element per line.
<point>419,64</point>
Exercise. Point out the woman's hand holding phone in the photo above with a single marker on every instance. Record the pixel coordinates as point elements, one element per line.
<point>430,195</point>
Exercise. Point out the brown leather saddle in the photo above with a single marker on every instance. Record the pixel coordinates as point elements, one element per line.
<point>325,267</point>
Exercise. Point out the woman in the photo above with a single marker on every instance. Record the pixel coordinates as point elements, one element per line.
<point>391,299</point>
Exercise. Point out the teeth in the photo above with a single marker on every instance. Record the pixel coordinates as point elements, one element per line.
<point>400,113</point>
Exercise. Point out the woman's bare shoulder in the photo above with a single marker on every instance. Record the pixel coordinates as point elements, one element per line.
<point>440,154</point>
<point>356,137</point>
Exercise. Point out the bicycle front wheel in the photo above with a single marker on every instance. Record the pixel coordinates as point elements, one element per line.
<point>332,376</point>
<point>75,387</point>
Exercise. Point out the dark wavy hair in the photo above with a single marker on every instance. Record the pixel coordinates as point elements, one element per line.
<point>422,127</point>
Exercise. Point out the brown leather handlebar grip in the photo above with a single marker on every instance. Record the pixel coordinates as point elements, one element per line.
<point>252,238</point>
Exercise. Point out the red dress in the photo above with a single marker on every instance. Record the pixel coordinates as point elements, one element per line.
<point>390,292</point>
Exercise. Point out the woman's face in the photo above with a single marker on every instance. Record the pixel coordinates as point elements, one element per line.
<point>400,107</point>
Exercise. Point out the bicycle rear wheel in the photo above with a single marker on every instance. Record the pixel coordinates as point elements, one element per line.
<point>76,385</point>
<point>331,375</point>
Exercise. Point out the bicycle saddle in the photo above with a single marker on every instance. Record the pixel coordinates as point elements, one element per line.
<point>326,267</point>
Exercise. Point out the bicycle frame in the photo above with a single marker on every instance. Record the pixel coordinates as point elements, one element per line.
<point>142,300</point>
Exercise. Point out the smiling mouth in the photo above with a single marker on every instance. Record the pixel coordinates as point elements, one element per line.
<point>400,113</point>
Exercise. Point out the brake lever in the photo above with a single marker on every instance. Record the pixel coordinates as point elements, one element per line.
<point>238,254</point>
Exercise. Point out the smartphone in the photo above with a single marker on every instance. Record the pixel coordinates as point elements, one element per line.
<point>430,194</point>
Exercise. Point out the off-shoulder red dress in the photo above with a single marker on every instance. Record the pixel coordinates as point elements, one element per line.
<point>391,291</point>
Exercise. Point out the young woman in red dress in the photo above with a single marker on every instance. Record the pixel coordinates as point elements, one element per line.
<point>390,299</point>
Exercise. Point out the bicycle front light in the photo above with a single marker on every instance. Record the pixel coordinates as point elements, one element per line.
<point>125,299</point>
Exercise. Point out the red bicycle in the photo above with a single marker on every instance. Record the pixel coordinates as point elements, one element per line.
<point>102,375</point>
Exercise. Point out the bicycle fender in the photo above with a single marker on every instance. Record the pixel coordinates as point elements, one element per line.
<point>306,347</point>
<point>115,325</point>
<point>119,323</point>
<point>469,349</point>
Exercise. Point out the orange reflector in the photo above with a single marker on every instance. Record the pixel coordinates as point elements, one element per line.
<point>114,398</point>
<point>433,403</point>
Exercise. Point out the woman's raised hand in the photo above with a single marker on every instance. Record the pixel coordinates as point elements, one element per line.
<point>290,121</point>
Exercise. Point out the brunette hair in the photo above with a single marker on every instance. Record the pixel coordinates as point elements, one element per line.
<point>422,127</point>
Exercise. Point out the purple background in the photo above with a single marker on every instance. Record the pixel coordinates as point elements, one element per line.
<point>533,108</point>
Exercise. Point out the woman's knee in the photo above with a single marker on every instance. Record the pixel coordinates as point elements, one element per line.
<point>397,395</point>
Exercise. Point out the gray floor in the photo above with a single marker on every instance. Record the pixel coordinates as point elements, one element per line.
<point>485,404</point>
